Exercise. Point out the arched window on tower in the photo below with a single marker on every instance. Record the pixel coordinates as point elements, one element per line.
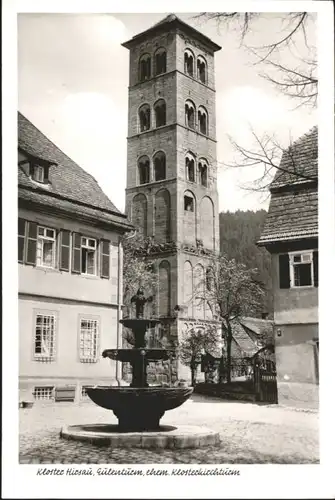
<point>145,67</point>
<point>160,113</point>
<point>203,172</point>
<point>190,168</point>
<point>160,61</point>
<point>188,203</point>
<point>203,120</point>
<point>143,170</point>
<point>160,166</point>
<point>190,114</point>
<point>144,117</point>
<point>202,69</point>
<point>189,62</point>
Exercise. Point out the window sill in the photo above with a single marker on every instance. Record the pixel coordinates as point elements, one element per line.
<point>302,287</point>
<point>43,359</point>
<point>89,360</point>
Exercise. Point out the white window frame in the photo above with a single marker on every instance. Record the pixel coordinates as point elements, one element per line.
<point>44,390</point>
<point>49,353</point>
<point>86,243</point>
<point>38,173</point>
<point>41,240</point>
<point>94,323</point>
<point>303,253</point>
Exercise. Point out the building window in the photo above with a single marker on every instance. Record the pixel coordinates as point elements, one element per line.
<point>189,63</point>
<point>88,342</point>
<point>144,118</point>
<point>190,114</point>
<point>43,393</point>
<point>301,269</point>
<point>203,173</point>
<point>46,247</point>
<point>145,67</point>
<point>190,168</point>
<point>188,204</point>
<point>45,337</point>
<point>160,61</point>
<point>203,120</point>
<point>160,113</point>
<point>143,170</point>
<point>202,69</point>
<point>38,173</point>
<point>84,394</point>
<point>160,166</point>
<point>209,279</point>
<point>88,255</point>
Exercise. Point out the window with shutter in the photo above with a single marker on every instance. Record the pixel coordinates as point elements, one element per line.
<point>64,254</point>
<point>76,253</point>
<point>284,271</point>
<point>104,260</point>
<point>316,267</point>
<point>21,239</point>
<point>31,243</point>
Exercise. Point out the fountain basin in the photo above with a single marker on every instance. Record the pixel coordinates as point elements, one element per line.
<point>139,408</point>
<point>130,355</point>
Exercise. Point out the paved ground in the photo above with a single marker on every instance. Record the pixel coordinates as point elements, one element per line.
<point>250,433</point>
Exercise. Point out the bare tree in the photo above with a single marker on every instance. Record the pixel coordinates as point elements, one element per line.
<point>295,79</point>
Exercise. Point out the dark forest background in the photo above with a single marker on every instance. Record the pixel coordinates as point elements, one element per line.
<point>239,232</point>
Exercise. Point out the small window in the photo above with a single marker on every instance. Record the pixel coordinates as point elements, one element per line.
<point>145,67</point>
<point>144,118</point>
<point>43,393</point>
<point>84,394</point>
<point>203,173</point>
<point>88,342</point>
<point>38,173</point>
<point>46,247</point>
<point>144,170</point>
<point>303,268</point>
<point>88,255</point>
<point>160,61</point>
<point>160,166</point>
<point>189,63</point>
<point>190,168</point>
<point>160,113</point>
<point>203,120</point>
<point>44,342</point>
<point>202,69</point>
<point>190,114</point>
<point>188,204</point>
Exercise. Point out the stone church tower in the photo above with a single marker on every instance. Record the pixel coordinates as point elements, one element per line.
<point>171,193</point>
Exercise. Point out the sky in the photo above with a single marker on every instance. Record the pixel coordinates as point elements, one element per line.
<point>73,86</point>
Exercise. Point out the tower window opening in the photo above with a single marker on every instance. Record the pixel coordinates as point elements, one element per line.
<point>190,115</point>
<point>188,204</point>
<point>144,118</point>
<point>145,67</point>
<point>188,63</point>
<point>190,170</point>
<point>160,62</point>
<point>201,70</point>
<point>160,166</point>
<point>144,170</point>
<point>202,119</point>
<point>203,173</point>
<point>160,113</point>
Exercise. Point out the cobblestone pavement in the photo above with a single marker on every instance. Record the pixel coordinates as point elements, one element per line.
<point>250,433</point>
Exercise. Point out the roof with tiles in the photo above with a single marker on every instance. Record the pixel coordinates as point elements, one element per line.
<point>293,210</point>
<point>70,187</point>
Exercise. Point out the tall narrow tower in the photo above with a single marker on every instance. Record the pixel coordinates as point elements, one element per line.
<point>171,193</point>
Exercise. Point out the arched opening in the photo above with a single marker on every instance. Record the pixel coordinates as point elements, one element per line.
<point>144,67</point>
<point>160,113</point>
<point>189,62</point>
<point>199,288</point>
<point>202,69</point>
<point>144,117</point>
<point>206,211</point>
<point>188,289</point>
<point>190,114</point>
<point>203,172</point>
<point>190,168</point>
<point>160,61</point>
<point>203,120</point>
<point>159,166</point>
<point>139,213</point>
<point>189,219</point>
<point>162,216</point>
<point>143,170</point>
<point>164,287</point>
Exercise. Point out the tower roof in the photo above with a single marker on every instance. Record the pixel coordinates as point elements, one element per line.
<point>168,23</point>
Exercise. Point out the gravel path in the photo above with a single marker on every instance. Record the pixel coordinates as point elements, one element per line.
<point>250,433</point>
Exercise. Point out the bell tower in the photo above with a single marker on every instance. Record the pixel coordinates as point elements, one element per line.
<point>171,193</point>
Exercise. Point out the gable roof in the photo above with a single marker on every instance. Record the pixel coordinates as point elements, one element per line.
<point>70,185</point>
<point>293,210</point>
<point>168,23</point>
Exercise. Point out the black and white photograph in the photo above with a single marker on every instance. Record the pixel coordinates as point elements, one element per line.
<point>166,287</point>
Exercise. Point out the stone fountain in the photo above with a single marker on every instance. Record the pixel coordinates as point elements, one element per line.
<point>139,407</point>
